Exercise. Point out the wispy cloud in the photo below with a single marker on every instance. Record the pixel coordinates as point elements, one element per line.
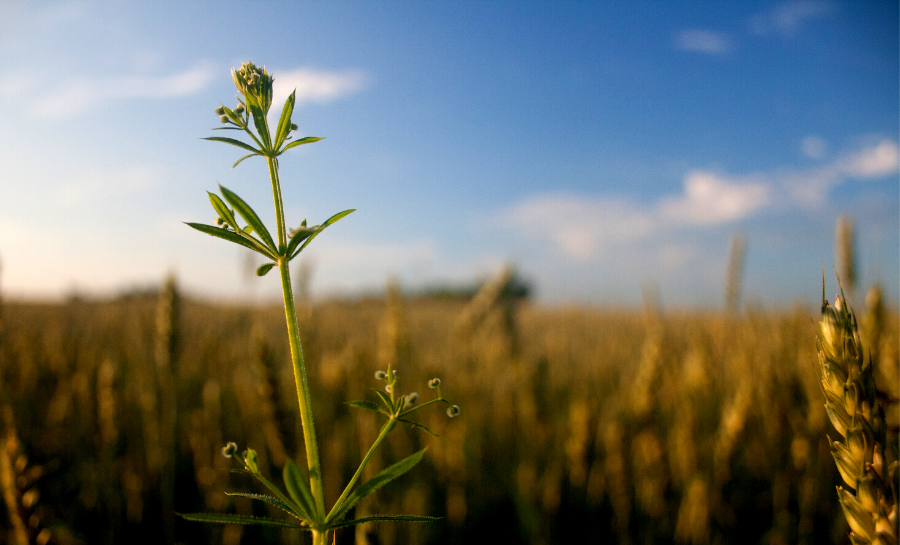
<point>19,16</point>
<point>874,162</point>
<point>702,41</point>
<point>814,147</point>
<point>317,85</point>
<point>81,94</point>
<point>786,18</point>
<point>809,188</point>
<point>579,227</point>
<point>710,199</point>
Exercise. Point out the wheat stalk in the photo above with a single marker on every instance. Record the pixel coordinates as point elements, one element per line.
<point>737,248</point>
<point>166,342</point>
<point>17,480</point>
<point>851,404</point>
<point>845,252</point>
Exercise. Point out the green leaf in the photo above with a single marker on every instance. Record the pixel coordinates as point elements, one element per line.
<point>333,219</point>
<point>400,518</point>
<point>249,216</point>
<point>385,476</point>
<point>386,399</point>
<point>264,269</point>
<point>419,426</point>
<point>222,210</point>
<point>304,140</point>
<point>298,488</point>
<point>239,161</point>
<point>233,142</point>
<point>364,405</point>
<point>284,124</point>
<point>231,236</point>
<point>287,508</point>
<point>274,489</point>
<point>239,519</point>
<point>300,234</point>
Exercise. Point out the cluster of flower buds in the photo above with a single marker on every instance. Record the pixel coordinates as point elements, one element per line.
<point>234,116</point>
<point>255,84</point>
<point>406,401</point>
<point>249,456</point>
<point>390,377</point>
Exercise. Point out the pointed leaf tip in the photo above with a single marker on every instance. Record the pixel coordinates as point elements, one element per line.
<point>363,405</point>
<point>249,216</point>
<point>239,519</point>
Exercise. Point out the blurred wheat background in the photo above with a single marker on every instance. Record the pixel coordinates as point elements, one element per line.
<point>596,425</point>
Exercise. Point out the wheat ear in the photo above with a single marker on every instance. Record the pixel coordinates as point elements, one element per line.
<point>851,404</point>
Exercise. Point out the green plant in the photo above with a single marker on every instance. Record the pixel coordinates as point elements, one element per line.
<point>304,500</point>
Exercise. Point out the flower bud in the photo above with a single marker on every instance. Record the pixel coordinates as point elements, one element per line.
<point>294,126</point>
<point>255,84</point>
<point>389,388</point>
<point>251,460</point>
<point>434,383</point>
<point>412,398</point>
<point>239,109</point>
<point>224,119</point>
<point>380,375</point>
<point>452,410</point>
<point>220,110</point>
<point>229,449</point>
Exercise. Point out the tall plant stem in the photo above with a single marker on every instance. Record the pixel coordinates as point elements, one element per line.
<point>290,313</point>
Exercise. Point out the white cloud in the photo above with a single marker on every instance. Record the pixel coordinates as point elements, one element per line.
<point>711,199</point>
<point>787,17</point>
<point>814,147</point>
<point>875,162</point>
<point>703,41</point>
<point>80,94</point>
<point>810,188</point>
<point>317,85</point>
<point>578,226</point>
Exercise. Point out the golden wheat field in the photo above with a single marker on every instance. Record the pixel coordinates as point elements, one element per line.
<point>578,425</point>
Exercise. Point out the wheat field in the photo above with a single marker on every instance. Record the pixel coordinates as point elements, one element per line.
<point>578,424</point>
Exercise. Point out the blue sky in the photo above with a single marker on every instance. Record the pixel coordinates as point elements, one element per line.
<point>600,147</point>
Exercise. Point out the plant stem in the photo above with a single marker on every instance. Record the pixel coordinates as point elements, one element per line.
<point>279,206</point>
<point>320,537</point>
<point>427,403</point>
<point>306,417</point>
<point>290,312</point>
